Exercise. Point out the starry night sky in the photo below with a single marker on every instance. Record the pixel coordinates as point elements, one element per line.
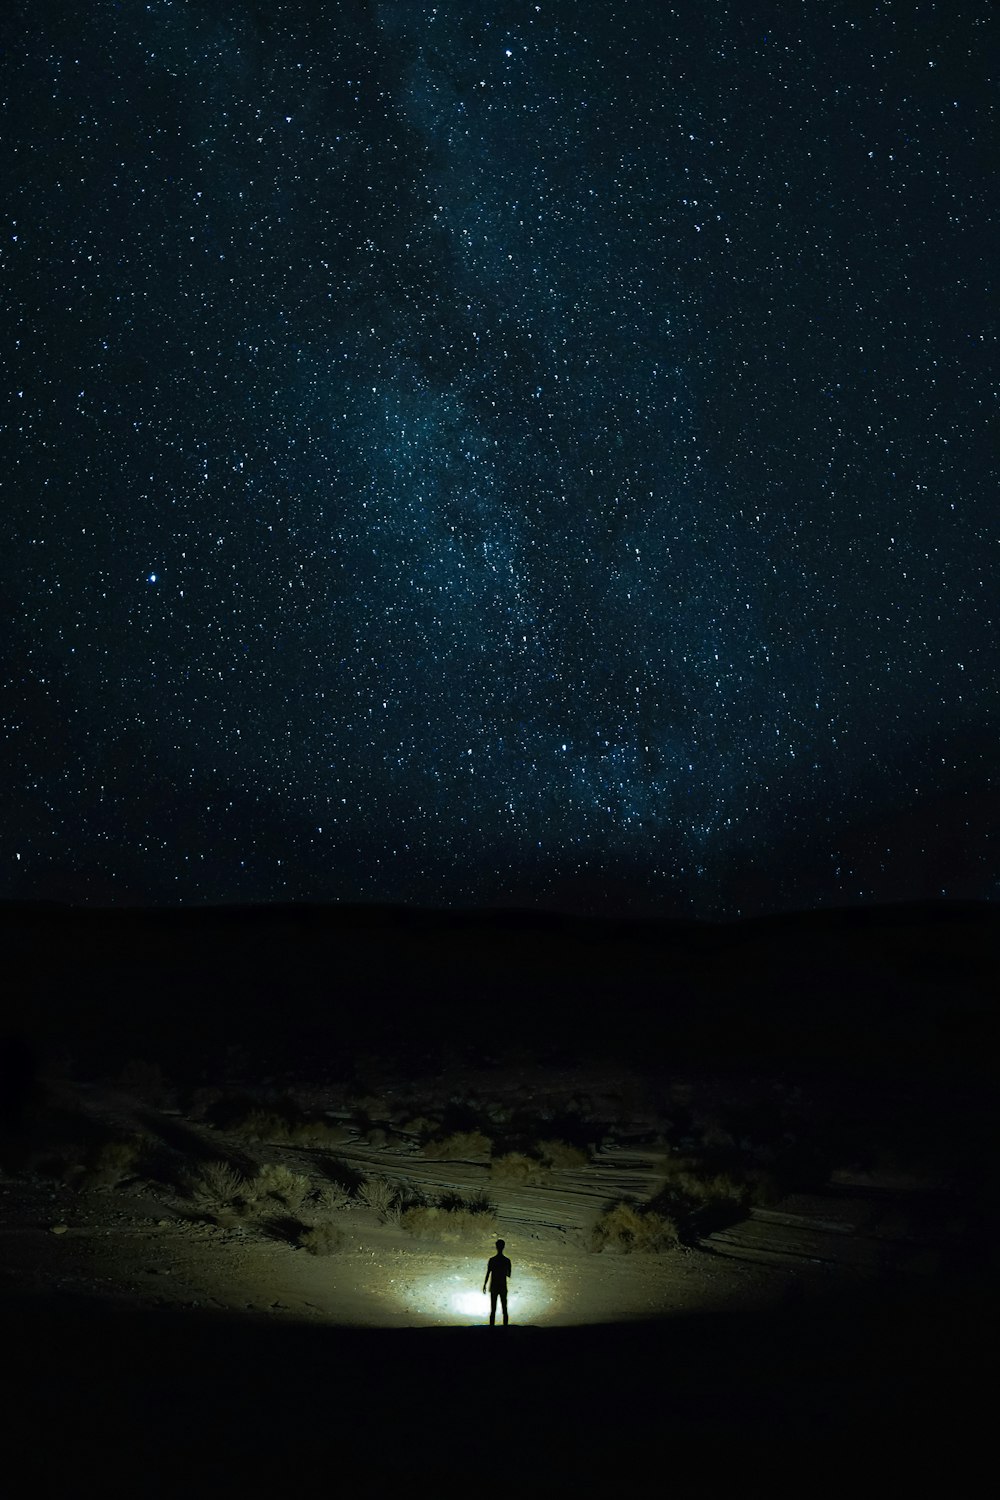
<point>499,452</point>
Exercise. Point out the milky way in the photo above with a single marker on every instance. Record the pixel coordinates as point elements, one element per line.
<point>498,453</point>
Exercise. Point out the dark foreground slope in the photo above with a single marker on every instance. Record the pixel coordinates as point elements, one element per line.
<point>875,1389</point>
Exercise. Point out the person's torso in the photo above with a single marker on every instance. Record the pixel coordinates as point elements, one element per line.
<point>499,1269</point>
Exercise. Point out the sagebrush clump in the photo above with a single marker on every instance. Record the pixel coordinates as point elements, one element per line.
<point>382,1197</point>
<point>517,1170</point>
<point>280,1183</point>
<point>703,1194</point>
<point>433,1222</point>
<point>114,1162</point>
<point>270,1127</point>
<point>321,1239</point>
<point>217,1184</point>
<point>476,1203</point>
<point>631,1227</point>
<point>465,1145</point>
<point>331,1195</point>
<point>560,1154</point>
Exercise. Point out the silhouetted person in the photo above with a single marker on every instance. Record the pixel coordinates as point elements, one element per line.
<point>498,1275</point>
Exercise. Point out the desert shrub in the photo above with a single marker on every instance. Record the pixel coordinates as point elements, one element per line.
<point>382,1197</point>
<point>561,1154</point>
<point>217,1184</point>
<point>631,1227</point>
<point>330,1196</point>
<point>278,1127</point>
<point>517,1170</point>
<point>254,1118</point>
<point>277,1181</point>
<point>318,1133</point>
<point>708,1193</point>
<point>114,1161</point>
<point>476,1203</point>
<point>693,1184</point>
<point>432,1222</point>
<point>261,1125</point>
<point>419,1125</point>
<point>409,1195</point>
<point>696,1187</point>
<point>321,1239</point>
<point>464,1145</point>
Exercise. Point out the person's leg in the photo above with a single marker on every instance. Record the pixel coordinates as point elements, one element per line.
<point>503,1304</point>
<point>493,1307</point>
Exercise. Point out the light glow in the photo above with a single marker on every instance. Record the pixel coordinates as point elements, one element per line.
<point>455,1297</point>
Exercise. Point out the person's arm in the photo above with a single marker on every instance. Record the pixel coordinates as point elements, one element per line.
<point>487,1276</point>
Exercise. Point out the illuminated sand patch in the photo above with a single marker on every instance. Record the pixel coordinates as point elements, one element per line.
<point>455,1297</point>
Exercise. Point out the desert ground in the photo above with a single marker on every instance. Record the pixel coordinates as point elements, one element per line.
<point>243,1245</point>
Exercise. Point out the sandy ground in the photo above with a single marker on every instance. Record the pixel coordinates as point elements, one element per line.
<point>143,1244</point>
<point>126,1250</point>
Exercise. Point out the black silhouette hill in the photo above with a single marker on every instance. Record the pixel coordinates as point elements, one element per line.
<point>884,987</point>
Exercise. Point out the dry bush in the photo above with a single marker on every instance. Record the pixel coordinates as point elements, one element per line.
<point>318,1133</point>
<point>696,1184</point>
<point>260,1125</point>
<point>517,1170</point>
<point>436,1223</point>
<point>465,1145</point>
<point>274,1128</point>
<point>382,1197</point>
<point>561,1154</point>
<point>321,1239</point>
<point>330,1196</point>
<point>719,1187</point>
<point>217,1184</point>
<point>113,1162</point>
<point>275,1180</point>
<point>630,1228</point>
<point>709,1187</point>
<point>476,1203</point>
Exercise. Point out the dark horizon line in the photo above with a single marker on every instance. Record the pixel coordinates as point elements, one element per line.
<point>538,915</point>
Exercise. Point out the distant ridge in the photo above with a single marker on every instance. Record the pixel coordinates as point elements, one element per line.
<point>902,985</point>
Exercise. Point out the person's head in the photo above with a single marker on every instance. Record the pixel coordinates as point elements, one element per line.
<point>500,1245</point>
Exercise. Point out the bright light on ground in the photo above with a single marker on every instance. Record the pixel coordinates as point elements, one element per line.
<point>456,1297</point>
